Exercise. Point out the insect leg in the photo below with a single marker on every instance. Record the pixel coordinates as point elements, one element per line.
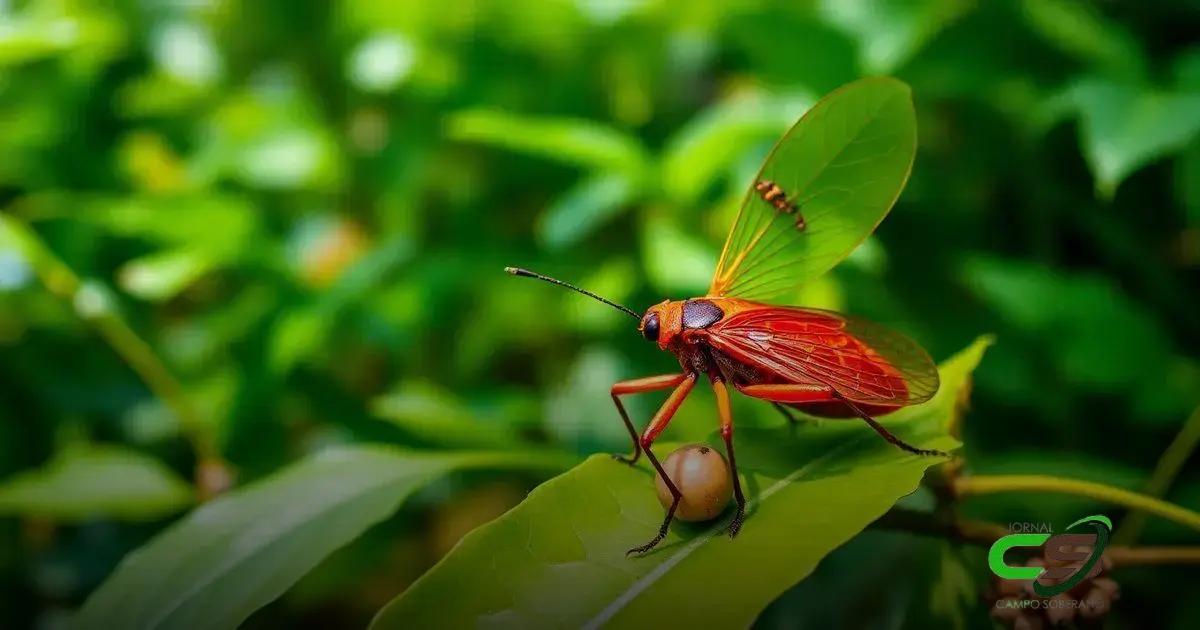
<point>636,386</point>
<point>790,392</point>
<point>888,435</point>
<point>656,426</point>
<point>786,414</point>
<point>723,411</point>
<point>792,421</point>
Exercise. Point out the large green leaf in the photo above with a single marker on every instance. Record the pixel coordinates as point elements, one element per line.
<point>162,275</point>
<point>438,417</point>
<point>46,30</point>
<point>1068,313</point>
<point>890,32</point>
<point>584,208</point>
<point>716,138</point>
<point>1082,30</point>
<point>239,552</point>
<point>678,263</point>
<point>558,559</point>
<point>88,481</point>
<point>1126,126</point>
<point>582,142</point>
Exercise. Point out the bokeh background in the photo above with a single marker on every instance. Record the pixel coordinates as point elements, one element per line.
<point>233,233</point>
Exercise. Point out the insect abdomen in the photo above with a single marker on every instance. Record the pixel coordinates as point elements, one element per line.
<point>774,195</point>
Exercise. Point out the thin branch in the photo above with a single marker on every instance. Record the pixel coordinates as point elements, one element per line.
<point>1168,467</point>
<point>926,523</point>
<point>1123,556</point>
<point>992,484</point>
<point>982,533</point>
<point>62,282</point>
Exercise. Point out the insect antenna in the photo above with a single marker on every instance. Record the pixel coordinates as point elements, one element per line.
<point>517,271</point>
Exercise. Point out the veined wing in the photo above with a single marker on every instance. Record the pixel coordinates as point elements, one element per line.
<point>840,169</point>
<point>862,361</point>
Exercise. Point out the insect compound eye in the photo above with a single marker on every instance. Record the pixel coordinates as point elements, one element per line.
<point>650,327</point>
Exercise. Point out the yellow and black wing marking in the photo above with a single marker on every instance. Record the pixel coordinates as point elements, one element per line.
<point>774,195</point>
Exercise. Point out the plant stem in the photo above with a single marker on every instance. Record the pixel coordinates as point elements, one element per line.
<point>984,533</point>
<point>1168,467</point>
<point>1141,556</point>
<point>62,282</point>
<point>960,530</point>
<point>992,484</point>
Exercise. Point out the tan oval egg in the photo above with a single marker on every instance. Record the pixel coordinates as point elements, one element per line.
<point>702,475</point>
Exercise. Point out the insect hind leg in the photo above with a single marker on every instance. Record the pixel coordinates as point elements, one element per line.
<point>891,437</point>
<point>791,418</point>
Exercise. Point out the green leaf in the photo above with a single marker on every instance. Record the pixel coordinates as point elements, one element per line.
<point>437,417</point>
<point>240,551</point>
<point>219,226</point>
<point>954,591</point>
<point>296,335</point>
<point>1080,29</point>
<point>1068,314</point>
<point>713,141</point>
<point>302,331</point>
<point>161,276</point>
<point>571,418</point>
<point>614,279</point>
<point>96,481</point>
<point>788,48</point>
<point>46,30</point>
<point>890,32</point>
<point>1125,127</point>
<point>584,208</point>
<point>1187,183</point>
<point>677,262</point>
<point>269,137</point>
<point>558,559</point>
<point>581,142</point>
<point>25,40</point>
<point>1186,69</point>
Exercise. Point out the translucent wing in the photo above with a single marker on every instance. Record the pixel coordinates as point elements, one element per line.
<point>841,167</point>
<point>862,361</point>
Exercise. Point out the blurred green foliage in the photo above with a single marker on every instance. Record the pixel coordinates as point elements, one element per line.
<point>303,209</point>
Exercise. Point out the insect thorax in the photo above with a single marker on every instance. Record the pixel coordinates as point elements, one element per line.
<point>701,314</point>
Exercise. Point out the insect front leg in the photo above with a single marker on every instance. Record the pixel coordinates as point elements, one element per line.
<point>637,386</point>
<point>656,426</point>
<point>721,392</point>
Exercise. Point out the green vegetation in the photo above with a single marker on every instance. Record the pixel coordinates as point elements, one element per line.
<point>259,361</point>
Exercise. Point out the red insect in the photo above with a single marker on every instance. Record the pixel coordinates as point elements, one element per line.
<point>821,362</point>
